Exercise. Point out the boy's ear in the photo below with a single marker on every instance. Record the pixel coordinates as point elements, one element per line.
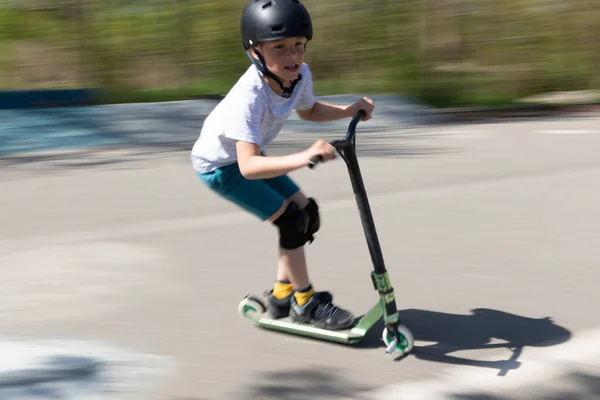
<point>253,53</point>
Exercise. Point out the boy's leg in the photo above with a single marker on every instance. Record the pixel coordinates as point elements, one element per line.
<point>269,200</point>
<point>253,196</point>
<point>291,274</point>
<point>266,203</point>
<point>307,305</point>
<point>292,263</point>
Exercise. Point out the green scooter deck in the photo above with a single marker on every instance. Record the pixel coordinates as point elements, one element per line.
<point>352,335</point>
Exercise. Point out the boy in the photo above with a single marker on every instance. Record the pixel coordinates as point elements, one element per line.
<point>228,155</point>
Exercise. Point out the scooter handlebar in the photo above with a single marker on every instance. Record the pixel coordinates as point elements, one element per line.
<point>349,136</point>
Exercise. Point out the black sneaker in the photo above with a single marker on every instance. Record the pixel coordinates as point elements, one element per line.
<point>321,312</point>
<point>278,308</point>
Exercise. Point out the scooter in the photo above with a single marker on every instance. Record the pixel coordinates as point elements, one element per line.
<point>396,336</point>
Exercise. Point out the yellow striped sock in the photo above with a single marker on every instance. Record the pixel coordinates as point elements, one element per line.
<point>303,297</point>
<point>281,290</point>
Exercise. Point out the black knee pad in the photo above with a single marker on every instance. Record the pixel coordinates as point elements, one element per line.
<point>297,226</point>
<point>312,209</point>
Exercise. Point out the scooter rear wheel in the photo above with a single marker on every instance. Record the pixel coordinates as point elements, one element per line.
<point>406,342</point>
<point>251,305</point>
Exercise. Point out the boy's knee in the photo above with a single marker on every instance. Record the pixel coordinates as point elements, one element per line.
<point>312,209</point>
<point>297,226</point>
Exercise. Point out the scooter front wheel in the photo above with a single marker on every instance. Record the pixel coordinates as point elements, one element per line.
<point>406,340</point>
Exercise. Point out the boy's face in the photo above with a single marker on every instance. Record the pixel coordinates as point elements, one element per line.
<point>284,57</point>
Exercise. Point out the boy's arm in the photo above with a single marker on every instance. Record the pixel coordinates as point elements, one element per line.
<point>254,166</point>
<point>323,112</point>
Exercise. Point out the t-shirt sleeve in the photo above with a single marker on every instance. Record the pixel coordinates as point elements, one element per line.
<point>307,98</point>
<point>243,122</point>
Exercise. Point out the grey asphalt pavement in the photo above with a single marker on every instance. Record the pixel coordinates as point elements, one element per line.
<point>489,232</point>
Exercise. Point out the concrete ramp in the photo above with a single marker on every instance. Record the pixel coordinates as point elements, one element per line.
<point>171,124</point>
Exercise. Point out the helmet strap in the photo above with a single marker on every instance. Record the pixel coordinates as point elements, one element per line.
<point>262,67</point>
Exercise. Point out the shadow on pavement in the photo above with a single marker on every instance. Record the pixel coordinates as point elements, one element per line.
<point>450,333</point>
<point>53,369</point>
<point>305,384</point>
<point>483,329</point>
<point>57,377</point>
<point>573,386</point>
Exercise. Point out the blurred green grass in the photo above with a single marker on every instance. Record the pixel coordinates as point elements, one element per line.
<point>446,53</point>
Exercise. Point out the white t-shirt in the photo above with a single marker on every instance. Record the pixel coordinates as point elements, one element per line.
<point>250,112</point>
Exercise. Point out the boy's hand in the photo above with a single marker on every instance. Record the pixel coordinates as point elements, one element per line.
<point>366,104</point>
<point>321,149</point>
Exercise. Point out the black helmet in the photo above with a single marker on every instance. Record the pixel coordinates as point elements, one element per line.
<point>266,20</point>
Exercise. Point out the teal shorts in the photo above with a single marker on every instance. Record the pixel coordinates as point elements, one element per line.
<point>261,197</point>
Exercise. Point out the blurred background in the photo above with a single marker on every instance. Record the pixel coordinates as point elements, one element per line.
<point>488,225</point>
<point>446,52</point>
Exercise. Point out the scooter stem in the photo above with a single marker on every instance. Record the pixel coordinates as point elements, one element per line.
<point>379,275</point>
<point>348,154</point>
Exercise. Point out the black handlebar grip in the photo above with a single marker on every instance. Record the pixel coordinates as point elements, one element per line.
<point>314,161</point>
<point>360,115</point>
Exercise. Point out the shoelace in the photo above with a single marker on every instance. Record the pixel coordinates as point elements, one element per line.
<point>326,309</point>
